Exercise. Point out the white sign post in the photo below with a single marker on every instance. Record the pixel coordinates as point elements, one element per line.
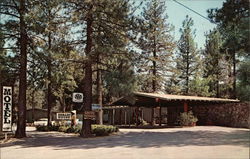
<point>7,109</point>
<point>77,97</point>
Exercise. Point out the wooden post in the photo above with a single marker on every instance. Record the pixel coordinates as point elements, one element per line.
<point>110,116</point>
<point>125,116</point>
<point>142,114</point>
<point>129,116</point>
<point>152,116</point>
<point>113,117</point>
<point>120,122</point>
<point>160,115</point>
<point>185,106</point>
<point>137,115</point>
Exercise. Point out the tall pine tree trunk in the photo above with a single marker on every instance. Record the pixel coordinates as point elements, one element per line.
<point>217,88</point>
<point>217,78</point>
<point>21,123</point>
<point>187,67</point>
<point>154,82</point>
<point>49,81</point>
<point>234,75</point>
<point>154,66</point>
<point>33,105</point>
<point>86,128</point>
<point>99,94</point>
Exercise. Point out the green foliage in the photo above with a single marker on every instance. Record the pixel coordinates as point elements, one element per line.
<point>233,24</point>
<point>212,61</point>
<point>46,128</point>
<point>98,130</point>
<point>187,119</point>
<point>120,81</point>
<point>103,130</point>
<point>188,59</point>
<point>75,129</point>
<point>244,81</point>
<point>156,44</point>
<point>199,87</point>
<point>63,128</point>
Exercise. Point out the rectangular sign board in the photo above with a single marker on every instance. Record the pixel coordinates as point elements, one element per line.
<point>7,108</point>
<point>89,115</point>
<point>63,116</point>
<point>96,107</point>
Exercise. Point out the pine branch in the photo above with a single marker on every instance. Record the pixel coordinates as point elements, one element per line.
<point>10,14</point>
<point>7,5</point>
<point>9,48</point>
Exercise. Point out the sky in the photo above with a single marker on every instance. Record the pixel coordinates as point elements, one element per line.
<point>177,13</point>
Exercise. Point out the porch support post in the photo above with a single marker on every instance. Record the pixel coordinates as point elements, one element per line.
<point>125,116</point>
<point>113,117</point>
<point>137,115</point>
<point>160,113</point>
<point>129,116</point>
<point>142,113</point>
<point>185,106</point>
<point>152,116</point>
<point>121,116</point>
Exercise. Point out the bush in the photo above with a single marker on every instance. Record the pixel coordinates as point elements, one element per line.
<point>53,128</point>
<point>98,130</point>
<point>187,119</point>
<point>63,128</point>
<point>75,130</point>
<point>45,128</point>
<point>42,128</point>
<point>103,130</point>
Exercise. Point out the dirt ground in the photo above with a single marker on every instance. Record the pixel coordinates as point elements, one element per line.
<point>200,142</point>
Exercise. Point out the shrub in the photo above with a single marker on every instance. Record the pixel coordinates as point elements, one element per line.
<point>45,128</point>
<point>75,129</point>
<point>98,130</point>
<point>42,128</point>
<point>63,128</point>
<point>103,130</point>
<point>53,128</point>
<point>187,119</point>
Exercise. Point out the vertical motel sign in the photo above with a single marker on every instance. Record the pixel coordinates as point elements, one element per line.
<point>7,108</point>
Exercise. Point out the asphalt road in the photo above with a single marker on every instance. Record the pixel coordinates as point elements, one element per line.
<point>172,143</point>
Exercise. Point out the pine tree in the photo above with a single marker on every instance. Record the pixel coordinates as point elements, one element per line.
<point>244,80</point>
<point>50,49</point>
<point>106,19</point>
<point>15,12</point>
<point>156,44</point>
<point>187,56</point>
<point>212,58</point>
<point>231,20</point>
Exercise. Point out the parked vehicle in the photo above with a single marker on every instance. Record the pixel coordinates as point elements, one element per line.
<point>43,122</point>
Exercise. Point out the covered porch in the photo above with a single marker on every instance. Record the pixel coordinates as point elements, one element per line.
<point>154,109</point>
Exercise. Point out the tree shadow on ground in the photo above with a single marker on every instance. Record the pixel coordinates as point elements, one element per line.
<point>143,139</point>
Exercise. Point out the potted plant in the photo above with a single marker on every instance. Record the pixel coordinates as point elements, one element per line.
<point>187,119</point>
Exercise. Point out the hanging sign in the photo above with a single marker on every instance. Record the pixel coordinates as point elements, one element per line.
<point>77,97</point>
<point>7,108</point>
<point>63,116</point>
<point>89,115</point>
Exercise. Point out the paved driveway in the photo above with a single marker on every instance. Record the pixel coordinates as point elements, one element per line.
<point>173,143</point>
